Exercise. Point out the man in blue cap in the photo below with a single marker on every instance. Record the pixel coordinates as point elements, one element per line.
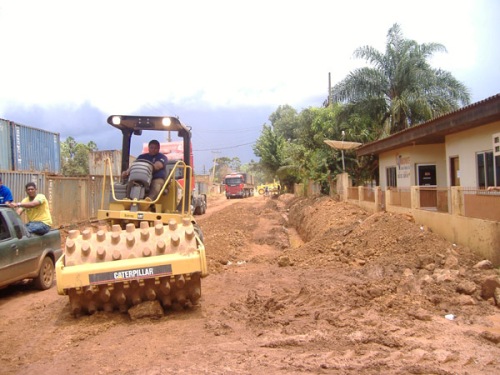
<point>5,193</point>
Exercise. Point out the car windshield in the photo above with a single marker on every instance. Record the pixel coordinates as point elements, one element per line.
<point>233,181</point>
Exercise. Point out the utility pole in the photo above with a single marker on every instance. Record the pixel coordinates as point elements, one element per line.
<point>215,160</point>
<point>329,89</point>
<point>343,164</point>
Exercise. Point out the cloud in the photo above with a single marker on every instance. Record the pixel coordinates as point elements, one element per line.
<point>216,131</point>
<point>219,65</point>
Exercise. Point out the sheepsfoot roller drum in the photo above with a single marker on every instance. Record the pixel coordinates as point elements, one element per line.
<point>116,269</point>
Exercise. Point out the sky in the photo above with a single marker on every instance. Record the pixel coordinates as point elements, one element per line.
<point>223,67</point>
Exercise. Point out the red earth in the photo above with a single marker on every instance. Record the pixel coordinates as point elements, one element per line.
<point>296,286</point>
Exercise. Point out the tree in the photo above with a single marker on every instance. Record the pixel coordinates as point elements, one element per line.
<point>292,148</point>
<point>274,144</point>
<point>75,157</point>
<point>284,121</point>
<point>319,162</point>
<point>401,89</point>
<point>269,148</point>
<point>225,165</point>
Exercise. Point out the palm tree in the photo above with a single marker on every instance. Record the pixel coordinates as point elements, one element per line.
<point>401,89</point>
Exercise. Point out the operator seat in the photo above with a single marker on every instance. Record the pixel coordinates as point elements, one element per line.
<point>139,180</point>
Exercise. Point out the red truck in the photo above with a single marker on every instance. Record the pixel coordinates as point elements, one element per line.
<point>240,185</point>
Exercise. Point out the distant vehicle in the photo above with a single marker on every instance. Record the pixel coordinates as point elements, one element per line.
<point>273,188</point>
<point>239,185</point>
<point>24,255</point>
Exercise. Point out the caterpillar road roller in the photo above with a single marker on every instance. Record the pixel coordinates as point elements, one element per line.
<point>143,248</point>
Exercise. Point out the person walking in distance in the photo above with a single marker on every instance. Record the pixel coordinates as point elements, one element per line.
<point>5,193</point>
<point>37,210</point>
<point>159,162</point>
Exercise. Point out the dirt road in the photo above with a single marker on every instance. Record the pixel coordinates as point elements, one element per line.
<point>355,293</point>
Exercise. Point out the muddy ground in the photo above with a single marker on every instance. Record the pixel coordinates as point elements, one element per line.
<point>296,286</point>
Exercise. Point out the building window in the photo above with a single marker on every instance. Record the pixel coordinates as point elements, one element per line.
<point>486,169</point>
<point>391,179</point>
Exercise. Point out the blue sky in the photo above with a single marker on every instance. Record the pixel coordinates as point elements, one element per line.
<point>222,67</point>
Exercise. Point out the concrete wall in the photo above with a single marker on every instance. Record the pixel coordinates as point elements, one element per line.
<point>482,236</point>
<point>405,160</point>
<point>465,145</point>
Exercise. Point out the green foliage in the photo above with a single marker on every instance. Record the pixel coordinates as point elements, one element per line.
<point>269,148</point>
<point>255,170</point>
<point>75,157</point>
<point>284,121</point>
<point>401,89</point>
<point>223,166</point>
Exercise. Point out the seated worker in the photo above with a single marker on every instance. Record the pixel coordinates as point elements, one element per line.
<point>159,162</point>
<point>37,210</point>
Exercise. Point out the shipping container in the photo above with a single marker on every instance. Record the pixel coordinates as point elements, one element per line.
<point>5,146</point>
<point>35,150</point>
<point>97,162</point>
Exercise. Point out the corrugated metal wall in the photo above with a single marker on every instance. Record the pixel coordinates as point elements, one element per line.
<point>97,162</point>
<point>74,200</point>
<point>71,199</point>
<point>16,182</point>
<point>35,149</point>
<point>68,198</point>
<point>33,155</point>
<point>5,146</point>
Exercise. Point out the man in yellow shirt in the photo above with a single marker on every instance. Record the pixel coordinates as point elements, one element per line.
<point>37,210</point>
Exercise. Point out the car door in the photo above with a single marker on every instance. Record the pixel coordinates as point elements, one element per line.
<point>7,252</point>
<point>24,251</point>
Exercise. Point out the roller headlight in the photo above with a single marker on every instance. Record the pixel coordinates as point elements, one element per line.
<point>166,122</point>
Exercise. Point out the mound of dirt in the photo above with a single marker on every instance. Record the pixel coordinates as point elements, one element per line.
<point>360,292</point>
<point>393,260</point>
<point>296,285</point>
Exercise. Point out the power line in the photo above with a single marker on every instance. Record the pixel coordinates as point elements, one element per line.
<point>226,148</point>
<point>233,130</point>
<point>160,112</point>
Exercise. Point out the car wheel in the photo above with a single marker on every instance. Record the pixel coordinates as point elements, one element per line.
<point>45,278</point>
<point>205,202</point>
<point>199,232</point>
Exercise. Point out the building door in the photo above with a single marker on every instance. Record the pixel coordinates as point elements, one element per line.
<point>426,176</point>
<point>455,171</point>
